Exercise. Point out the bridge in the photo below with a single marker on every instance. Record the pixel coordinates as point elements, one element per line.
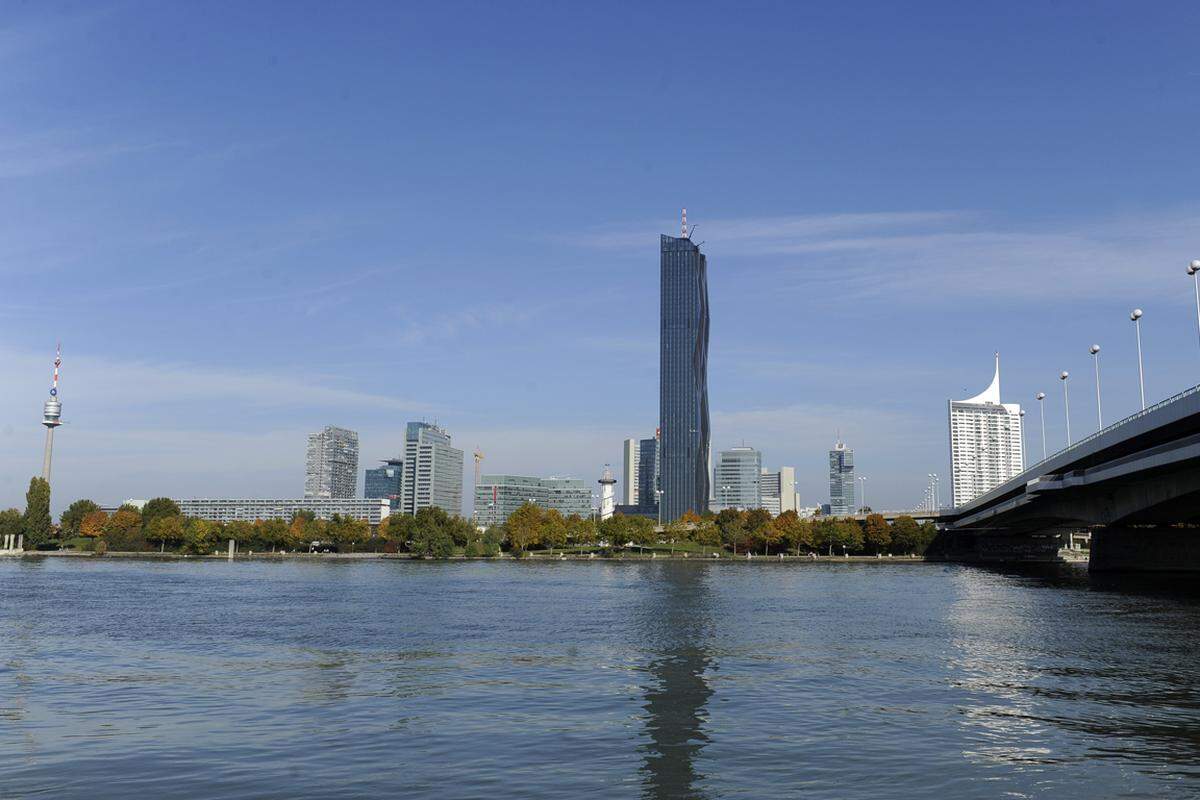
<point>1134,485</point>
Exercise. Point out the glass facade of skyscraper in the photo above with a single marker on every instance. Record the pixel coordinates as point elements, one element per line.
<point>498,496</point>
<point>737,479</point>
<point>385,482</point>
<point>841,481</point>
<point>683,378</point>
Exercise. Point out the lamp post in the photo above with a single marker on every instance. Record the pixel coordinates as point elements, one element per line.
<point>1023,458</point>
<point>1095,351</point>
<point>1136,316</point>
<point>1194,271</point>
<point>1066,403</point>
<point>1041,398</point>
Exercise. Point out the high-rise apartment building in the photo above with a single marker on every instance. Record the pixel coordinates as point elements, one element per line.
<point>737,479</point>
<point>630,463</point>
<point>498,496</point>
<point>985,442</point>
<point>841,481</point>
<point>385,482</point>
<point>779,490</point>
<point>331,465</point>
<point>683,377</point>
<point>433,470</point>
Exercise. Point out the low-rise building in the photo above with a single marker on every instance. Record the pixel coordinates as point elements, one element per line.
<point>498,496</point>
<point>373,510</point>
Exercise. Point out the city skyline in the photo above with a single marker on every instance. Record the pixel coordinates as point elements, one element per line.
<point>829,310</point>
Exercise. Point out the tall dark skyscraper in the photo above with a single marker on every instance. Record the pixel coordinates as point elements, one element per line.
<point>683,377</point>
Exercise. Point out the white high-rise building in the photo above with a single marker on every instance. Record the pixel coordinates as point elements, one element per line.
<point>433,470</point>
<point>985,442</point>
<point>331,465</point>
<point>779,490</point>
<point>630,463</point>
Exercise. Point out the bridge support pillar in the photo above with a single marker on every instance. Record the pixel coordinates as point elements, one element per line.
<point>1145,550</point>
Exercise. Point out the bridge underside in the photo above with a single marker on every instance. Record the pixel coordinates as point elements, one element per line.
<point>1142,509</point>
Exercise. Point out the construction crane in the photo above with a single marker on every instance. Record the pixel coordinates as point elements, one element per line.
<point>478,458</point>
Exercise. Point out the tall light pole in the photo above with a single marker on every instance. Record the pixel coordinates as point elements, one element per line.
<point>1095,351</point>
<point>1136,316</point>
<point>1194,271</point>
<point>1024,460</point>
<point>1041,398</point>
<point>1066,403</point>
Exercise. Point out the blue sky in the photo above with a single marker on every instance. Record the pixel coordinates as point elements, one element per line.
<point>249,220</point>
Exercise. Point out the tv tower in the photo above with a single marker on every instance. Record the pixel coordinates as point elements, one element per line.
<point>51,415</point>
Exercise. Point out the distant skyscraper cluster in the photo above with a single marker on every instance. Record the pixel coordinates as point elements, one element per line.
<point>986,446</point>
<point>331,466</point>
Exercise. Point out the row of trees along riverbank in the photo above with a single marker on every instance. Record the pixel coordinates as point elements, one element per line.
<point>159,526</point>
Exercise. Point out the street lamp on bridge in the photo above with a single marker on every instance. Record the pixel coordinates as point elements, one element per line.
<point>1194,271</point>
<point>1041,397</point>
<point>1095,351</point>
<point>1066,403</point>
<point>1136,316</point>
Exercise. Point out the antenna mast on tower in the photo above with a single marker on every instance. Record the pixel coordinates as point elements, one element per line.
<point>683,231</point>
<point>52,415</point>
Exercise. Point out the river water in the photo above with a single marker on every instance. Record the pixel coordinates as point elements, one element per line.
<point>656,680</point>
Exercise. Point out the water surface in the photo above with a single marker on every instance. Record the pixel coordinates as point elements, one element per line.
<point>656,680</point>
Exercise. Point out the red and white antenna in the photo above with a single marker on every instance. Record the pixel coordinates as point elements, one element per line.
<point>683,228</point>
<point>57,364</point>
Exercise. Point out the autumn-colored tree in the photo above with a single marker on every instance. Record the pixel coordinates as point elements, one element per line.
<point>877,534</point>
<point>793,532</point>
<point>274,533</point>
<point>848,535</point>
<point>348,532</point>
<point>92,524</point>
<point>165,530</point>
<point>123,523</point>
<point>524,527</point>
<point>690,517</point>
<point>71,519</point>
<point>707,534</point>
<point>245,534</point>
<point>581,530</point>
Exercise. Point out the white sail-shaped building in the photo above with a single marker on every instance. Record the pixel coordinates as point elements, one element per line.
<point>985,442</point>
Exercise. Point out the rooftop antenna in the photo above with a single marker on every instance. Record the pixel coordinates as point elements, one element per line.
<point>683,231</point>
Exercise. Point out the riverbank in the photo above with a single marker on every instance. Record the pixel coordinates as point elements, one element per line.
<point>539,556</point>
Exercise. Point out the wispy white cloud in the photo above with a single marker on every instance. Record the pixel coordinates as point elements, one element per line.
<point>423,328</point>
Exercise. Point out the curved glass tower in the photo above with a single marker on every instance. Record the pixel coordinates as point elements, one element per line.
<point>683,378</point>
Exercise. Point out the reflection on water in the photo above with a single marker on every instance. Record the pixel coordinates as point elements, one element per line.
<point>545,680</point>
<point>675,699</point>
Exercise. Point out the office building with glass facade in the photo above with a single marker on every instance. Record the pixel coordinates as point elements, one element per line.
<point>433,470</point>
<point>737,479</point>
<point>683,378</point>
<point>841,481</point>
<point>498,496</point>
<point>385,482</point>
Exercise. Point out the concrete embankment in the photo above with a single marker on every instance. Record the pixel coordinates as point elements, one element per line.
<point>535,557</point>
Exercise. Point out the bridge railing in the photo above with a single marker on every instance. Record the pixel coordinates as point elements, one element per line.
<point>1131,418</point>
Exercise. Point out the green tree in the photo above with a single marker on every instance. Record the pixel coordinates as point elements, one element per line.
<point>641,530</point>
<point>165,529</point>
<point>397,530</point>
<point>10,524</point>
<point>554,529</point>
<point>245,534</point>
<point>461,530</point>
<point>348,532</point>
<point>847,535</point>
<point>158,507</point>
<point>524,527</point>
<point>877,534</point>
<point>432,541</point>
<point>274,533</point>
<point>201,535</point>
<point>581,530</point>
<point>71,518</point>
<point>706,533</point>
<point>36,522</point>
<point>906,535</point>
<point>732,525</point>
<point>759,530</point>
<point>928,534</point>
